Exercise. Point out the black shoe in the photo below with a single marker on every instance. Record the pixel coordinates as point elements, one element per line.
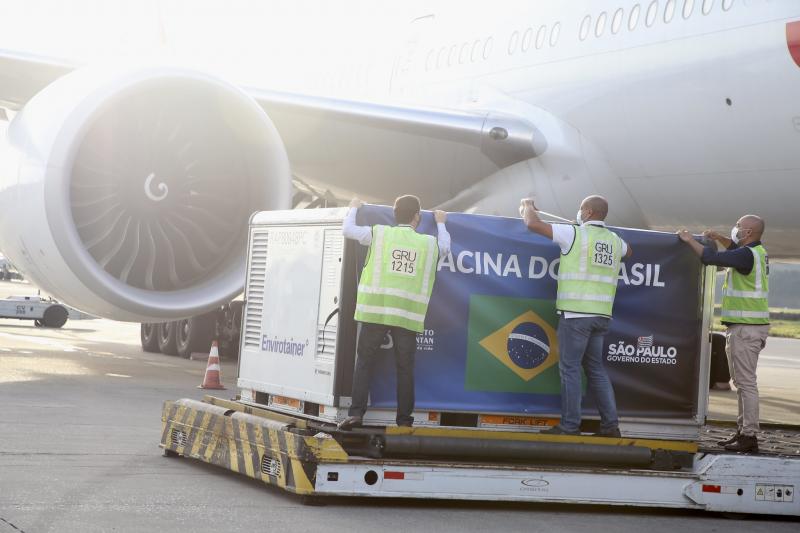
<point>350,422</point>
<point>612,433</point>
<point>405,424</point>
<point>558,430</point>
<point>733,438</point>
<point>745,444</point>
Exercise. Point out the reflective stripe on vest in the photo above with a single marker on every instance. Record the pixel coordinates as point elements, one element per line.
<point>745,297</point>
<point>396,283</point>
<point>589,272</point>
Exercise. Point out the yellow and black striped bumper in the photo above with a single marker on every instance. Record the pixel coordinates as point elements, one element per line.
<point>259,444</point>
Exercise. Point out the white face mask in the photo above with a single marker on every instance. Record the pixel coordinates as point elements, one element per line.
<point>735,235</point>
<point>579,218</point>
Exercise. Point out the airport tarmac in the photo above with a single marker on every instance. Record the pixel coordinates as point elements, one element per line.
<point>80,424</point>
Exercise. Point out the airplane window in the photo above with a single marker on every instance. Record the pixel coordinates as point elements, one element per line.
<point>616,22</point>
<point>669,11</point>
<point>440,57</point>
<point>526,39</point>
<point>473,54</point>
<point>540,36</point>
<point>688,7</point>
<point>708,5</point>
<point>487,47</point>
<point>463,54</point>
<point>512,43</point>
<point>585,25</point>
<point>633,19</point>
<point>554,33</point>
<point>726,4</point>
<point>652,11</point>
<point>451,57</point>
<point>601,24</point>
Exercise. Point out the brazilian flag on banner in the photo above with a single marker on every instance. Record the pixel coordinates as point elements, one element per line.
<point>512,345</point>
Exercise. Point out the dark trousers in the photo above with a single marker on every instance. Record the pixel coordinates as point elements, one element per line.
<point>370,339</point>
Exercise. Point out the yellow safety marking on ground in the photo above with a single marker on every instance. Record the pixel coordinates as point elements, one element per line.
<point>681,446</point>
<point>247,454</point>
<point>200,437</point>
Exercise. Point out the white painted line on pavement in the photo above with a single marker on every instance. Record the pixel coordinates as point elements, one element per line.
<point>43,342</point>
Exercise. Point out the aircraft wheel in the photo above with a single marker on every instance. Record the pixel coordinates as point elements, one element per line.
<point>195,334</point>
<point>166,338</point>
<point>149,337</point>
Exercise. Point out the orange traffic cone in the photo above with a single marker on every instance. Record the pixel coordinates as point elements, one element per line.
<point>213,371</point>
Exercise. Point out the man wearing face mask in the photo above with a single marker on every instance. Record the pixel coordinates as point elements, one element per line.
<point>591,258</point>
<point>745,312</point>
<point>393,295</point>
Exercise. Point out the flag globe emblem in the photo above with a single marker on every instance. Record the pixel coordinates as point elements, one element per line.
<point>528,345</point>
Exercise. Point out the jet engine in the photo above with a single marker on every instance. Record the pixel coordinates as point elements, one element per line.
<point>127,193</point>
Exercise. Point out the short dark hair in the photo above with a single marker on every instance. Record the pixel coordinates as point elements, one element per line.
<point>405,207</point>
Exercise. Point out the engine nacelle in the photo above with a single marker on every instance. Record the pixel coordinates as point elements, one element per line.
<point>127,194</point>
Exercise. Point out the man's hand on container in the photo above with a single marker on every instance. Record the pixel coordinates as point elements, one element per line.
<point>356,202</point>
<point>524,204</point>
<point>689,239</point>
<point>685,235</point>
<point>713,235</point>
<point>440,216</point>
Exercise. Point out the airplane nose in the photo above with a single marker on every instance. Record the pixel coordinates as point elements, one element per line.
<point>793,40</point>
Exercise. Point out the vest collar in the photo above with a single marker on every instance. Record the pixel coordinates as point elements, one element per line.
<point>595,223</point>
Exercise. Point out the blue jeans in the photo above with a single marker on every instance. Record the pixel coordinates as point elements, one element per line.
<point>580,343</point>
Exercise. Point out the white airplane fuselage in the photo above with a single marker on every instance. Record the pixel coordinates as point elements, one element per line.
<point>683,113</point>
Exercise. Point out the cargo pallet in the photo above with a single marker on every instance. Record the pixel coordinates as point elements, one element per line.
<point>314,460</point>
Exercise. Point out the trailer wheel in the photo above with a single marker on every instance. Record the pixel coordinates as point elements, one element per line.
<point>149,337</point>
<point>195,334</point>
<point>55,316</point>
<point>166,338</point>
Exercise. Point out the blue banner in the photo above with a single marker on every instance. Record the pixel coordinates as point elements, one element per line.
<point>490,346</point>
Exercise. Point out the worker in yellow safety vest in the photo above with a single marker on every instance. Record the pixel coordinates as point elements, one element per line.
<point>588,273</point>
<point>745,312</point>
<point>393,295</point>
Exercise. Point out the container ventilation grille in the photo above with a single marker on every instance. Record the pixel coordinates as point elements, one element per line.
<point>256,278</point>
<point>326,343</point>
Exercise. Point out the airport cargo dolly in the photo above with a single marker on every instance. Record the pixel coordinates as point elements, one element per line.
<point>486,380</point>
<point>313,459</point>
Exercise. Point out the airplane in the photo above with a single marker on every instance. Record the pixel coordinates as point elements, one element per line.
<point>126,184</point>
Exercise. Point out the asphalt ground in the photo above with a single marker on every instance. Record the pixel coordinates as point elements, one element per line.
<point>79,429</point>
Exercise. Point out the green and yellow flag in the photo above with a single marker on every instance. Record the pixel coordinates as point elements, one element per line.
<point>512,345</point>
